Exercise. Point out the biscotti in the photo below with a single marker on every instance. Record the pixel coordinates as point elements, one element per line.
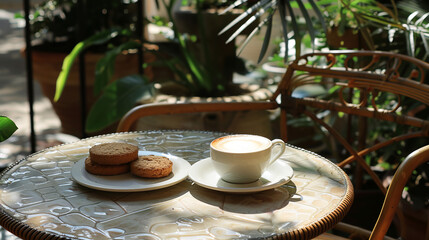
<point>151,166</point>
<point>113,153</point>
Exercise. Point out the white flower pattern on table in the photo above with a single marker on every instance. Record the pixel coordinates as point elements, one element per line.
<point>39,191</point>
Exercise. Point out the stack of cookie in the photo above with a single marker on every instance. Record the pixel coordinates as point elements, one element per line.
<point>111,158</point>
<point>117,158</point>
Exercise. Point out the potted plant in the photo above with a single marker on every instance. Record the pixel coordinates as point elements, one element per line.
<point>57,27</point>
<point>414,207</point>
<point>377,25</point>
<point>346,27</point>
<point>195,76</point>
<point>209,46</point>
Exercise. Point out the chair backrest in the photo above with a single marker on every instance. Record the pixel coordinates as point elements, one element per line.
<point>381,86</point>
<point>382,98</point>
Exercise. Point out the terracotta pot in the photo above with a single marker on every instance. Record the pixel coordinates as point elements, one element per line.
<point>46,67</point>
<point>349,39</point>
<point>222,56</point>
<point>413,221</point>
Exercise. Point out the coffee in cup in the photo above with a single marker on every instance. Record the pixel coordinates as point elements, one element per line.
<point>243,158</point>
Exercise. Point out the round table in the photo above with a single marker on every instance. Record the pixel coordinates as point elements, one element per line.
<point>40,200</point>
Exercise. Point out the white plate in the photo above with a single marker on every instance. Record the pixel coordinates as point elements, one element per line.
<point>203,174</point>
<point>129,183</point>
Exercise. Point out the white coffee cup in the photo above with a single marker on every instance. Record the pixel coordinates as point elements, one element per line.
<point>243,158</point>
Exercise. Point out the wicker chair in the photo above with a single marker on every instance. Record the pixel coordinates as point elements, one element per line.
<point>356,84</point>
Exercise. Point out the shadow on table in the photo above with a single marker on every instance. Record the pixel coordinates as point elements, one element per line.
<point>248,203</point>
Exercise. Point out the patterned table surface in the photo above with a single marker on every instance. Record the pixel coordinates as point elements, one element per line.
<point>38,196</point>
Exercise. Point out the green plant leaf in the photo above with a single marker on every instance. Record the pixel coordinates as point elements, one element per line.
<point>295,27</point>
<point>243,15</point>
<point>388,11</point>
<point>105,68</point>
<point>7,128</point>
<point>183,77</point>
<point>18,16</point>
<point>199,76</point>
<point>266,40</point>
<point>318,14</point>
<point>265,9</point>
<point>65,69</point>
<point>282,12</point>
<point>117,99</point>
<point>251,19</point>
<point>308,22</point>
<point>421,19</point>
<point>425,45</point>
<point>250,36</point>
<point>196,71</point>
<point>97,39</point>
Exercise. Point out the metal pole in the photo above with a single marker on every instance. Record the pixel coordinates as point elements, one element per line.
<point>140,34</point>
<point>29,70</point>
<point>81,4</point>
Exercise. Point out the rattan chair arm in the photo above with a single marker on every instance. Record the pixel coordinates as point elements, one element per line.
<point>150,109</point>
<point>394,192</point>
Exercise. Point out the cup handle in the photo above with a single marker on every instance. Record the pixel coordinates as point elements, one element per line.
<point>277,144</point>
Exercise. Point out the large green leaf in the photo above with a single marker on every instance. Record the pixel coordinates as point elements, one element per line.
<point>105,68</point>
<point>266,40</point>
<point>65,69</point>
<point>296,31</point>
<point>96,39</point>
<point>117,99</point>
<point>7,128</point>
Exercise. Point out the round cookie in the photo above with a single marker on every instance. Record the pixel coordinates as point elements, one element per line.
<point>113,153</point>
<point>151,166</point>
<point>106,170</point>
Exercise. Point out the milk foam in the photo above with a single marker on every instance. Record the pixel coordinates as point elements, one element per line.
<point>241,144</point>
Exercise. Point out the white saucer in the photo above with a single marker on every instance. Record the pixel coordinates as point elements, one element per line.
<point>129,183</point>
<point>203,174</point>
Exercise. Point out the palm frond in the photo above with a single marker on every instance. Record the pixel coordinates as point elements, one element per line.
<point>251,35</point>
<point>420,21</point>
<point>264,10</point>
<point>318,14</point>
<point>308,22</point>
<point>282,12</point>
<point>245,14</point>
<point>295,27</point>
<point>250,21</point>
<point>425,45</point>
<point>266,40</point>
<point>233,5</point>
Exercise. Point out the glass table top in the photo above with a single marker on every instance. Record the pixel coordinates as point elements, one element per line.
<point>39,194</point>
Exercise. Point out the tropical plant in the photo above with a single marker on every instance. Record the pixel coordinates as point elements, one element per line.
<point>397,26</point>
<point>195,75</point>
<point>7,128</point>
<point>290,21</point>
<point>393,26</point>
<point>413,37</point>
<point>199,77</point>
